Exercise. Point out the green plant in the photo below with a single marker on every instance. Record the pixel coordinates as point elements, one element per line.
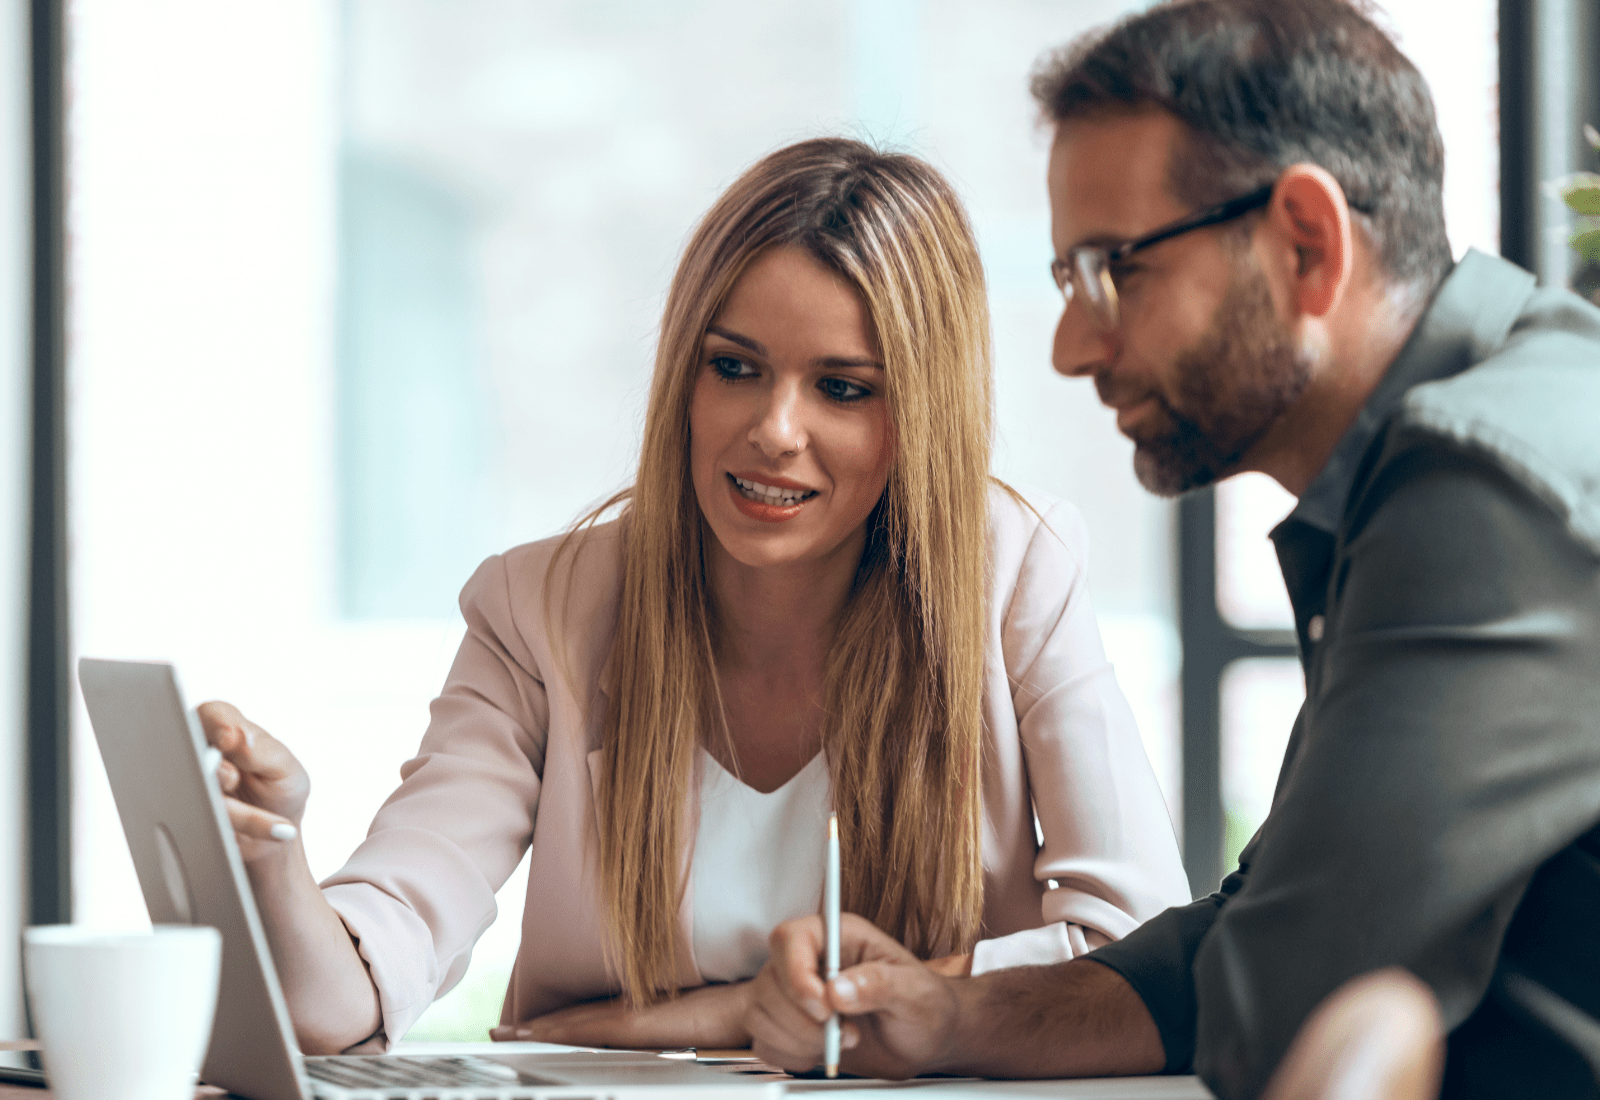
<point>1581,192</point>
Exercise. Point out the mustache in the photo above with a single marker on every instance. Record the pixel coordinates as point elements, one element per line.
<point>1119,392</point>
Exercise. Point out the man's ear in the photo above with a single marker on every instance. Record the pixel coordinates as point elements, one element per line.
<point>1310,216</point>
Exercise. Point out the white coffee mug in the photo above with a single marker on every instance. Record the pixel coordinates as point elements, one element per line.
<point>122,1014</point>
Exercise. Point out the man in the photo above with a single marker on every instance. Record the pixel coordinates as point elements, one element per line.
<point>1246,210</point>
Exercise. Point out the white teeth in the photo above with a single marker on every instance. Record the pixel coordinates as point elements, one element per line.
<point>767,494</point>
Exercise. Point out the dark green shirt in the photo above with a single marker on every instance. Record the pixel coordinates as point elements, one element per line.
<point>1439,803</point>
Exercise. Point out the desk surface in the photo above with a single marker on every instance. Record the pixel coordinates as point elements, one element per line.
<point>1106,1088</point>
<point>1129,1088</point>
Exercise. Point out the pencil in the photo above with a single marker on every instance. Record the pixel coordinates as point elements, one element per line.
<point>830,917</point>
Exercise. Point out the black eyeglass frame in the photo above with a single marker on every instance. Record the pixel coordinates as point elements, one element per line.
<point>1067,272</point>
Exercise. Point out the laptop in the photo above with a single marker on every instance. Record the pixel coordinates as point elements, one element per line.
<point>190,872</point>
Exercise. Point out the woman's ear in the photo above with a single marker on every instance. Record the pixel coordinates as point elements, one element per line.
<point>1310,216</point>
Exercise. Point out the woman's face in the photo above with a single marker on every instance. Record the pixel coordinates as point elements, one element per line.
<point>789,427</point>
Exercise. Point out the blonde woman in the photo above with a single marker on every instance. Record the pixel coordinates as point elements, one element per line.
<point>814,597</point>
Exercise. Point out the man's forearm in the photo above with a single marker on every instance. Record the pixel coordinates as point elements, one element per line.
<point>1072,1019</point>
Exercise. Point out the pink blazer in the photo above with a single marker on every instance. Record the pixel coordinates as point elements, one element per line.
<point>507,767</point>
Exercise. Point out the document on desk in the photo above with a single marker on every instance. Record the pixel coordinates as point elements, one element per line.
<point>935,1088</point>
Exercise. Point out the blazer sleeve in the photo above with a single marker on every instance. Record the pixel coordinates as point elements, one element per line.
<point>419,891</point>
<point>1107,838</point>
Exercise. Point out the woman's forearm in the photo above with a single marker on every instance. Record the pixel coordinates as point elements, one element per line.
<point>331,996</point>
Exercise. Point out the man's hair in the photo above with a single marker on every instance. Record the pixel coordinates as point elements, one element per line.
<point>1263,84</point>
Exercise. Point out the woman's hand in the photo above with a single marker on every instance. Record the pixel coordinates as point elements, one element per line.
<point>332,998</point>
<point>266,787</point>
<point>710,1017</point>
<point>951,966</point>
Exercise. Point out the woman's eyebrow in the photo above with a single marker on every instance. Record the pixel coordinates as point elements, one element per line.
<point>733,337</point>
<point>829,361</point>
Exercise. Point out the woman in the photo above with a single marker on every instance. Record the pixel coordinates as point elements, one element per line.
<point>813,597</point>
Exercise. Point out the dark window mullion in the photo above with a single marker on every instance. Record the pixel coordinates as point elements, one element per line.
<point>49,813</point>
<point>1210,645</point>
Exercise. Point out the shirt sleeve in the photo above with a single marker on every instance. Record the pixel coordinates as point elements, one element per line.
<point>1053,943</point>
<point>1450,745</point>
<point>1107,839</point>
<point>419,891</point>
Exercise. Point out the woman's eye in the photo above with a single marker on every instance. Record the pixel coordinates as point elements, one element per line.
<point>730,368</point>
<point>844,390</point>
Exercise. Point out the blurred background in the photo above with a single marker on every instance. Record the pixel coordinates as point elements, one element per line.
<point>306,307</point>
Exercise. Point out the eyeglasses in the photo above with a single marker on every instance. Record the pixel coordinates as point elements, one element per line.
<point>1087,269</point>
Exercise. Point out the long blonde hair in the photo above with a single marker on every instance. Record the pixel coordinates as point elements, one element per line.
<point>905,671</point>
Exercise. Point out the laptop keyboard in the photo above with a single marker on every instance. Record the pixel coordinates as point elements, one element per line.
<point>400,1072</point>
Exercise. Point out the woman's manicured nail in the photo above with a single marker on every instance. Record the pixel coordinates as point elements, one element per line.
<point>283,831</point>
<point>844,989</point>
<point>524,1032</point>
<point>210,758</point>
<point>848,1038</point>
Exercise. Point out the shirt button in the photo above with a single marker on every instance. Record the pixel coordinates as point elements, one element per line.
<point>1315,627</point>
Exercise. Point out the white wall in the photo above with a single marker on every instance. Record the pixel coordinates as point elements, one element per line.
<point>14,299</point>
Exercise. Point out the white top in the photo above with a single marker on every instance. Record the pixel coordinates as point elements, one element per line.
<point>758,861</point>
<point>513,757</point>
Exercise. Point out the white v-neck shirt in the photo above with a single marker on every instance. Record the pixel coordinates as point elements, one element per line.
<point>758,861</point>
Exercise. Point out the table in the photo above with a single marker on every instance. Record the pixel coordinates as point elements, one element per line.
<point>29,1092</point>
<point>1105,1088</point>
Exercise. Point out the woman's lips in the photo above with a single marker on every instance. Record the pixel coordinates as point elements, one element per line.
<point>762,510</point>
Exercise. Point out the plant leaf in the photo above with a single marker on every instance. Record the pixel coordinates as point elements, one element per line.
<point>1587,244</point>
<point>1584,200</point>
<point>1558,187</point>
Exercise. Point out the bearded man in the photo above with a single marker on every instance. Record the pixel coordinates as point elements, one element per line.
<point>1248,229</point>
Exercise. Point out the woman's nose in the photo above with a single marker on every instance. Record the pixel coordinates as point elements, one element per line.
<point>1081,344</point>
<point>780,430</point>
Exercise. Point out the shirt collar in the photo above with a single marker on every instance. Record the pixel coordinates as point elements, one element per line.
<point>1471,313</point>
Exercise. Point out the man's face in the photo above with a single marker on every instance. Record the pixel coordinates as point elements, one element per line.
<point>1202,366</point>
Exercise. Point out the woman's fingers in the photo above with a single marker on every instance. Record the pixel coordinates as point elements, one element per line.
<point>951,966</point>
<point>241,740</point>
<point>224,726</point>
<point>710,1016</point>
<point>255,767</point>
<point>258,824</point>
<point>600,1023</point>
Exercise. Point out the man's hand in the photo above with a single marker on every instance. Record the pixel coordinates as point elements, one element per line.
<point>900,1014</point>
<point>711,1016</point>
<point>1072,1019</point>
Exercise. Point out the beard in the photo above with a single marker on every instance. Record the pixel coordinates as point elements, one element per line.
<point>1233,385</point>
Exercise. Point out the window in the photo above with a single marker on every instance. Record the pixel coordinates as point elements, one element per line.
<point>365,292</point>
